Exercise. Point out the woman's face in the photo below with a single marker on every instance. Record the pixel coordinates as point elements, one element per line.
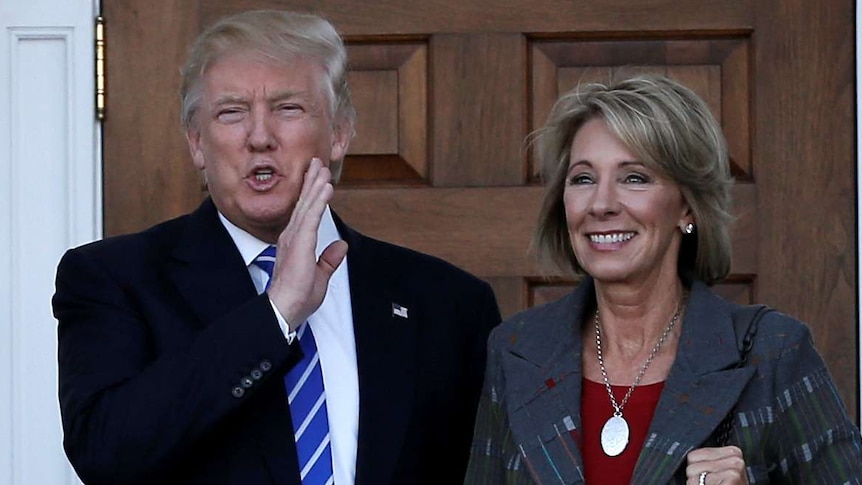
<point>623,217</point>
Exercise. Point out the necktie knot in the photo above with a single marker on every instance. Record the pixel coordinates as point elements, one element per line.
<point>266,261</point>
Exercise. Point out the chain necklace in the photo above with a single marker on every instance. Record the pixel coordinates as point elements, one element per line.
<point>615,432</point>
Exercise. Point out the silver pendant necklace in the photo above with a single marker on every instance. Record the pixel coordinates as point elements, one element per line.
<point>615,432</point>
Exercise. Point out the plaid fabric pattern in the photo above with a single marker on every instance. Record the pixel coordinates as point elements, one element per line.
<point>788,420</point>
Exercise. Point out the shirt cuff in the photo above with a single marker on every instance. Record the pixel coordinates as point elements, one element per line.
<point>282,324</point>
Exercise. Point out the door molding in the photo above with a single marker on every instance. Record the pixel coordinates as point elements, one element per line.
<point>50,200</point>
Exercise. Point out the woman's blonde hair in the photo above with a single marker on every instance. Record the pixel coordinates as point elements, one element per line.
<point>671,130</point>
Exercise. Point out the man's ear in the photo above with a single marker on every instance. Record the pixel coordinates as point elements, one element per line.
<point>193,138</point>
<point>341,135</point>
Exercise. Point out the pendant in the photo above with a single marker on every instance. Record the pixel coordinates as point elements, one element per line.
<point>615,435</point>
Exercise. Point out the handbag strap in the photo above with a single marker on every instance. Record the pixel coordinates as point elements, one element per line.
<point>745,322</point>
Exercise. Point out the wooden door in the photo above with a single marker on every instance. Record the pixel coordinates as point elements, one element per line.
<point>447,90</point>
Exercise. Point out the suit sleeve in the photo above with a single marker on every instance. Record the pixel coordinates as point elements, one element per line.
<point>816,441</point>
<point>130,407</point>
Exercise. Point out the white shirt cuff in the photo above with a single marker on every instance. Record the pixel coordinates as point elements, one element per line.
<point>282,324</point>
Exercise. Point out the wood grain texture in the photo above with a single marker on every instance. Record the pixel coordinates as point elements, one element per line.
<point>805,169</point>
<point>375,95</point>
<point>389,84</point>
<point>388,17</point>
<point>147,171</point>
<point>479,109</point>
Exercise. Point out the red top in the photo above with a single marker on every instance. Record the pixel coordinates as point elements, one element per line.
<point>596,408</point>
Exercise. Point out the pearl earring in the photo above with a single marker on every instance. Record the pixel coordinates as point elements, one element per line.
<point>688,229</point>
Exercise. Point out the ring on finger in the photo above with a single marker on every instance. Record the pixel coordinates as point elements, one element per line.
<point>701,480</point>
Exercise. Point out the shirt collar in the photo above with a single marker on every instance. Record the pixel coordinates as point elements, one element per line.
<point>250,247</point>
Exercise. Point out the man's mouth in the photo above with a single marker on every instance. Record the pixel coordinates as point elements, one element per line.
<point>263,174</point>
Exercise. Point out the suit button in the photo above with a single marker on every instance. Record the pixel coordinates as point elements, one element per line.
<point>237,392</point>
<point>256,374</point>
<point>265,365</point>
<point>246,382</point>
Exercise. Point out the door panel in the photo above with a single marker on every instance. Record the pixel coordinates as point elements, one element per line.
<point>448,90</point>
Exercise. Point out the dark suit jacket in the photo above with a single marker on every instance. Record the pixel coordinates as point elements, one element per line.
<point>157,331</point>
<point>789,421</point>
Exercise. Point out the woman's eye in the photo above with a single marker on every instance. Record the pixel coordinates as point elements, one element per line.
<point>580,179</point>
<point>636,178</point>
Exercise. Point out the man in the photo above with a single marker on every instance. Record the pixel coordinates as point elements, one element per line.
<point>183,361</point>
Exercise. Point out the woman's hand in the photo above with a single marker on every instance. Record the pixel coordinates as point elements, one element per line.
<point>713,466</point>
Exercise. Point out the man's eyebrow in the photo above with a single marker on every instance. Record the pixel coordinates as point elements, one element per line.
<point>229,98</point>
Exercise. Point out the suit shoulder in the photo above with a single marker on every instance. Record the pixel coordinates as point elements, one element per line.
<point>781,338</point>
<point>432,269</point>
<point>779,328</point>
<point>140,244</point>
<point>537,319</point>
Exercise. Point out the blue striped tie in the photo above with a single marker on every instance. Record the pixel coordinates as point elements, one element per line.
<point>304,384</point>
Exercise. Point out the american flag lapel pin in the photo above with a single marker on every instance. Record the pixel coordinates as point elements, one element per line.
<point>398,310</point>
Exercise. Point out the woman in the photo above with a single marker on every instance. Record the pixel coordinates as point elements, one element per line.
<point>629,378</point>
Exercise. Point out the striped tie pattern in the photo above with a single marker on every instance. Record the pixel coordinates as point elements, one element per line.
<point>304,384</point>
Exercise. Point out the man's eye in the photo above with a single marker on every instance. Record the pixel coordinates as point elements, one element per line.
<point>229,115</point>
<point>289,108</point>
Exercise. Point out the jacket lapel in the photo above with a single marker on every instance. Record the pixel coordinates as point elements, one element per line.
<point>386,323</point>
<point>543,389</point>
<point>702,388</point>
<point>207,269</point>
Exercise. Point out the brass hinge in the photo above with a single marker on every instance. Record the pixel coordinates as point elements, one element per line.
<point>100,68</point>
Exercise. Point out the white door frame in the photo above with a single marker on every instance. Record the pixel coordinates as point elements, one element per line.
<point>50,200</point>
<point>858,198</point>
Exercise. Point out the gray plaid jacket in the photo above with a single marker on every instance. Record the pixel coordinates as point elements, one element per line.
<point>788,418</point>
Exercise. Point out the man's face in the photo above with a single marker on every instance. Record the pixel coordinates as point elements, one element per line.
<point>256,129</point>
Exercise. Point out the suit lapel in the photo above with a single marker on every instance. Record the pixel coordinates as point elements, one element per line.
<point>207,269</point>
<point>385,355</point>
<point>700,391</point>
<point>209,273</point>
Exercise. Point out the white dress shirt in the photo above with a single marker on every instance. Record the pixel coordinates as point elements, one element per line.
<point>332,325</point>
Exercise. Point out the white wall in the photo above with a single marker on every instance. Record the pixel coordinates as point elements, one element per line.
<point>50,199</point>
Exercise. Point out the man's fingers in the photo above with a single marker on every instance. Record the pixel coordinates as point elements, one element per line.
<point>307,180</point>
<point>315,194</point>
<point>332,257</point>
